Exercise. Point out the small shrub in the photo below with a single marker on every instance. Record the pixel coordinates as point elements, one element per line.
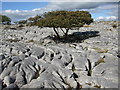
<point>21,25</point>
<point>87,26</point>
<point>12,40</point>
<point>30,41</point>
<point>89,84</point>
<point>97,86</point>
<point>114,26</point>
<point>5,20</point>
<point>102,60</point>
<point>7,27</point>
<point>101,50</point>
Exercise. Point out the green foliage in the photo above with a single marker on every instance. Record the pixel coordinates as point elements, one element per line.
<point>114,26</point>
<point>67,19</point>
<point>7,27</point>
<point>12,40</point>
<point>62,19</point>
<point>33,19</point>
<point>5,20</point>
<point>22,22</point>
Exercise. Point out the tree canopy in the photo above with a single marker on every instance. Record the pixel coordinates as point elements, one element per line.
<point>4,19</point>
<point>33,19</point>
<point>66,20</point>
<point>21,22</point>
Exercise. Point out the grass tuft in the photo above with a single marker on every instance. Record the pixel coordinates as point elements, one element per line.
<point>97,86</point>
<point>101,60</point>
<point>12,40</point>
<point>101,50</point>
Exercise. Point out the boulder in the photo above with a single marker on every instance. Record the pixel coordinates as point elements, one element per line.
<point>37,52</point>
<point>20,79</point>
<point>2,57</point>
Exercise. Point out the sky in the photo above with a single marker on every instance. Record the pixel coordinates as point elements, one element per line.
<point>23,5</point>
<point>22,10</point>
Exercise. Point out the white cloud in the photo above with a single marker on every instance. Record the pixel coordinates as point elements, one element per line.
<point>109,18</point>
<point>109,7</point>
<point>101,18</point>
<point>81,5</point>
<point>12,11</point>
<point>25,0</point>
<point>87,4</point>
<point>16,15</point>
<point>60,0</point>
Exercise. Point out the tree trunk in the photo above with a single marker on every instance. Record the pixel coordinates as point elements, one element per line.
<point>62,31</point>
<point>56,33</point>
<point>66,33</point>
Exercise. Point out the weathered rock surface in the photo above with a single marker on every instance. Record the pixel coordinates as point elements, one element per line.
<point>28,59</point>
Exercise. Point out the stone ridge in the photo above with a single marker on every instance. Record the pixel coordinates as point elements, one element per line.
<point>28,59</point>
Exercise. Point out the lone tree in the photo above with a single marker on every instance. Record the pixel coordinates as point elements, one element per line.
<point>5,20</point>
<point>64,20</point>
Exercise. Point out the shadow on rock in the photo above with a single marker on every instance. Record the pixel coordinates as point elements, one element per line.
<point>76,37</point>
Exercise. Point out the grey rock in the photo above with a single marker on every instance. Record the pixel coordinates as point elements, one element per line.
<point>72,83</point>
<point>74,75</point>
<point>65,73</point>
<point>14,61</point>
<point>23,56</point>
<point>1,85</point>
<point>37,52</point>
<point>93,56</point>
<point>6,62</point>
<point>20,79</point>
<point>1,67</point>
<point>11,86</point>
<point>46,64</point>
<point>47,80</point>
<point>8,80</point>
<point>15,70</point>
<point>30,72</point>
<point>29,61</point>
<point>58,62</point>
<point>30,75</point>
<point>6,72</point>
<point>2,57</point>
<point>106,83</point>
<point>79,62</point>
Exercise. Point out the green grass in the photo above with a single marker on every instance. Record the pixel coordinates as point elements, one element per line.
<point>12,40</point>
<point>101,60</point>
<point>101,50</point>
